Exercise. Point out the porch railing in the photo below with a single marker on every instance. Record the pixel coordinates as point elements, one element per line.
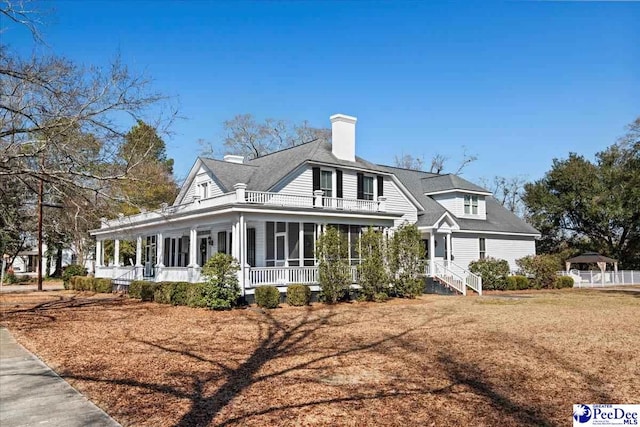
<point>449,277</point>
<point>282,276</point>
<point>472,280</point>
<point>351,204</point>
<point>277,199</point>
<point>122,282</point>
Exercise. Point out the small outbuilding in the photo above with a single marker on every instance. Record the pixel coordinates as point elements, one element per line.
<point>593,258</point>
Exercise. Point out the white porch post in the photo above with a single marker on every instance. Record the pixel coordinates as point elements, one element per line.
<point>317,198</point>
<point>448,247</point>
<point>193,248</point>
<point>138,268</point>
<point>116,253</point>
<point>242,250</point>
<point>139,251</point>
<point>234,243</point>
<point>432,250</point>
<point>99,257</point>
<point>159,250</point>
<point>301,243</point>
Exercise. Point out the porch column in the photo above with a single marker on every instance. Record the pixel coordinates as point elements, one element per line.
<point>448,247</point>
<point>116,253</point>
<point>242,249</point>
<point>159,250</point>
<point>99,257</point>
<point>193,248</point>
<point>301,243</point>
<point>139,251</point>
<point>234,242</point>
<point>432,250</point>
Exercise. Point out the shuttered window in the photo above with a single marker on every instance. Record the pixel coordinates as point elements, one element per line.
<point>380,182</point>
<point>251,246</point>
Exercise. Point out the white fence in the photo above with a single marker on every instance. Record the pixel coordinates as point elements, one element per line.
<point>595,278</point>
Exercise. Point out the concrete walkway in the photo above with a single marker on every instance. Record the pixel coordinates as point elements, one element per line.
<point>55,286</point>
<point>31,394</point>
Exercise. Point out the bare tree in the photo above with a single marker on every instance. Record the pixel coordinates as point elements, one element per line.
<point>407,161</point>
<point>62,125</point>
<point>437,164</point>
<point>245,136</point>
<point>508,191</point>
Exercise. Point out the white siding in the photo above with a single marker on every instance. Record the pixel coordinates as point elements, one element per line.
<point>451,202</point>
<point>454,203</point>
<point>301,183</point>
<point>398,202</point>
<point>349,184</point>
<point>510,248</point>
<point>200,178</point>
<point>466,248</point>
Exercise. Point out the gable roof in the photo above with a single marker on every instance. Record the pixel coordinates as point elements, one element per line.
<point>263,173</point>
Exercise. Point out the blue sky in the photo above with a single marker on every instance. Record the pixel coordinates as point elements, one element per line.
<point>516,83</point>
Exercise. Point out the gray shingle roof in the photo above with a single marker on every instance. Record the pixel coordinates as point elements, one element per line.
<point>498,219</point>
<point>263,173</point>
<point>438,183</point>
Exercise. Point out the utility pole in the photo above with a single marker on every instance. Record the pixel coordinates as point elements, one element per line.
<point>40,202</point>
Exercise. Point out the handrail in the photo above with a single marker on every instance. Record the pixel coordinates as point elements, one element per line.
<point>472,280</point>
<point>449,277</point>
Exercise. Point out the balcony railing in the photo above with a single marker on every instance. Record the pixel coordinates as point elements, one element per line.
<point>242,196</point>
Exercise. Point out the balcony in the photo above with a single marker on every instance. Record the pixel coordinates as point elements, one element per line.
<point>253,198</point>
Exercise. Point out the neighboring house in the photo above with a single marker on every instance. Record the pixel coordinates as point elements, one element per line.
<point>26,262</point>
<point>268,213</point>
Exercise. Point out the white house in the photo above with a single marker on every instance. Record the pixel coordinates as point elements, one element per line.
<point>268,212</point>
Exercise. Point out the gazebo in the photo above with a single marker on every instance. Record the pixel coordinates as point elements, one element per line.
<point>593,258</point>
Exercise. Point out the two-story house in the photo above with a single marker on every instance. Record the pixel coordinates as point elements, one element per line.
<point>269,211</point>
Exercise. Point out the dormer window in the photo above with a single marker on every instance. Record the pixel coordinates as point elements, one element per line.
<point>471,205</point>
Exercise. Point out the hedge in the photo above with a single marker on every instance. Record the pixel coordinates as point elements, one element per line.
<point>518,283</point>
<point>82,283</point>
<point>176,293</point>
<point>563,282</point>
<point>298,295</point>
<point>70,271</point>
<point>267,296</point>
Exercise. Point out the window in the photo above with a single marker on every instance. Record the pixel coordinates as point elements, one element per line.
<point>176,251</point>
<point>222,242</point>
<point>326,184</point>
<point>251,246</point>
<point>471,205</point>
<point>367,188</point>
<point>483,248</point>
<point>204,190</point>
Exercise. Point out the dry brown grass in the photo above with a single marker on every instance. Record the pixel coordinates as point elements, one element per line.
<point>431,361</point>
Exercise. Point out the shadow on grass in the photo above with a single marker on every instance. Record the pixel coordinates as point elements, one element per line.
<point>278,339</point>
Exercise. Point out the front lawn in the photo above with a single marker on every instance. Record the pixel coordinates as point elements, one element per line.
<point>430,361</point>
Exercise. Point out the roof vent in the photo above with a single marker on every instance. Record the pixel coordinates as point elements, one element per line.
<point>232,158</point>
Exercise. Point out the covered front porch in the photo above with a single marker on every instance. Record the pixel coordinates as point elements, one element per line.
<point>272,248</point>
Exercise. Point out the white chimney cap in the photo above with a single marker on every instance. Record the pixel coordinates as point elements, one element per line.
<point>232,158</point>
<point>343,118</point>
